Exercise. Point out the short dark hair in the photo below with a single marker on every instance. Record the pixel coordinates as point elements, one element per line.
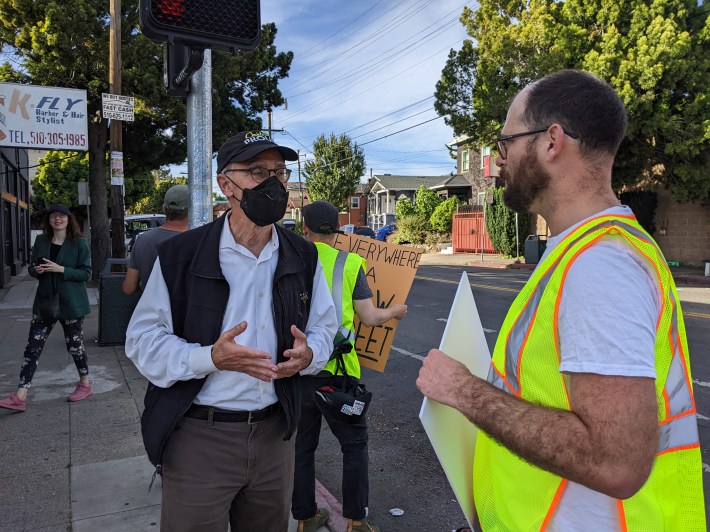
<point>582,104</point>
<point>173,216</point>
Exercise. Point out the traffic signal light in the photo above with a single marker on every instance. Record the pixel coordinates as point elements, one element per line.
<point>222,24</point>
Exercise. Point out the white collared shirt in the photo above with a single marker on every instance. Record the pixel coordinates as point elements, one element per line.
<point>164,358</point>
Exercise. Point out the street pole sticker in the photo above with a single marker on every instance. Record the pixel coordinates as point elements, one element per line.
<point>117,107</point>
<point>390,274</point>
<point>45,118</point>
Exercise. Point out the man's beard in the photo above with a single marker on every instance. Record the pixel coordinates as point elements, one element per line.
<point>529,181</point>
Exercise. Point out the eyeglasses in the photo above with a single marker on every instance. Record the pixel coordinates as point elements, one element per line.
<point>56,215</point>
<point>503,149</point>
<point>261,174</point>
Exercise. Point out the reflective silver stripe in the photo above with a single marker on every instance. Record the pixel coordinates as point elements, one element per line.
<point>676,387</point>
<point>337,283</point>
<point>680,432</point>
<point>518,332</point>
<point>496,380</point>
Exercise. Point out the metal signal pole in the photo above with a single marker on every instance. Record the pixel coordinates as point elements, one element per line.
<point>118,239</point>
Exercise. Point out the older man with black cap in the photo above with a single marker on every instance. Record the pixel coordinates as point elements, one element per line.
<point>232,315</point>
<point>346,276</point>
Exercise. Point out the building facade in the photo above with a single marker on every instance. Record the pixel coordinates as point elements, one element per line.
<point>15,217</point>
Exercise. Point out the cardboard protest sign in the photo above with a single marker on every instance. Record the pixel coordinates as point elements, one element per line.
<point>452,435</point>
<point>390,273</point>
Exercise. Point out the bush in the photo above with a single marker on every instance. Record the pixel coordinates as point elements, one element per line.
<point>412,229</point>
<point>643,203</point>
<point>427,201</point>
<point>500,224</point>
<point>443,215</point>
<point>403,208</point>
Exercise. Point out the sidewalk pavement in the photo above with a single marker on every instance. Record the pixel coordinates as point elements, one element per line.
<point>81,466</point>
<point>78,466</point>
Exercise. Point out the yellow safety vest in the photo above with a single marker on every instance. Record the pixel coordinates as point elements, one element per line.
<point>341,270</point>
<point>510,493</point>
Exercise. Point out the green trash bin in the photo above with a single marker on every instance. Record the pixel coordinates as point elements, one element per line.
<point>115,307</point>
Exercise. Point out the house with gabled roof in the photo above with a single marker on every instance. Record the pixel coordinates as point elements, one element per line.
<point>384,191</point>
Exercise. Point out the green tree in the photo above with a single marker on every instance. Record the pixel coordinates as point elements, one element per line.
<point>66,44</point>
<point>57,175</point>
<point>500,224</point>
<point>655,53</point>
<point>153,204</point>
<point>426,202</point>
<point>335,172</point>
<point>443,215</point>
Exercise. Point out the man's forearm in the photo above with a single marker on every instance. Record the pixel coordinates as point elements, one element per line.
<point>554,440</point>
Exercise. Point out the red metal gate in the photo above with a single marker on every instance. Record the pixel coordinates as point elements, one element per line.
<point>468,233</point>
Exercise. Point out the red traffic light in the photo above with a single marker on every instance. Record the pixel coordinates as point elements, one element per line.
<point>174,8</point>
<point>222,24</point>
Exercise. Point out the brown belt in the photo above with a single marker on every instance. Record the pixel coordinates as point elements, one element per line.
<point>231,416</point>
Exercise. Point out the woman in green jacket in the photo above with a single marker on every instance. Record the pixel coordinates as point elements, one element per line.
<point>62,262</point>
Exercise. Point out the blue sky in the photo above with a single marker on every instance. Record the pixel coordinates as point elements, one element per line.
<point>368,69</point>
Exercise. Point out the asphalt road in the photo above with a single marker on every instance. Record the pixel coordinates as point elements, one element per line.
<point>404,471</point>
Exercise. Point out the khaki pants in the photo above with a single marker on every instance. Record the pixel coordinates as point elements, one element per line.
<point>215,474</point>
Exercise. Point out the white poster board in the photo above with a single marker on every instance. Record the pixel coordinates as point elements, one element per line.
<point>452,435</point>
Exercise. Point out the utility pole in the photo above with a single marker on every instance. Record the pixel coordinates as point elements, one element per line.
<point>268,120</point>
<point>300,187</point>
<point>118,242</point>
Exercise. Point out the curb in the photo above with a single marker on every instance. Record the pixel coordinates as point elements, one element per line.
<point>324,499</point>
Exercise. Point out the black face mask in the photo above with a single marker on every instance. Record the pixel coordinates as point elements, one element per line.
<point>265,203</point>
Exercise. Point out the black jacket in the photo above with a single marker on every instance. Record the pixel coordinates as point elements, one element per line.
<point>198,300</point>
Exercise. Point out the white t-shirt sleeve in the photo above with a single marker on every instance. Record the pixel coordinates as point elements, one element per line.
<point>608,314</point>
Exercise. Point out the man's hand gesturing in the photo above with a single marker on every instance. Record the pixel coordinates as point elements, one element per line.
<point>231,356</point>
<point>300,355</point>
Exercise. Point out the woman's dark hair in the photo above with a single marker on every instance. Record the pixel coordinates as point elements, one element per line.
<point>583,105</point>
<point>73,229</point>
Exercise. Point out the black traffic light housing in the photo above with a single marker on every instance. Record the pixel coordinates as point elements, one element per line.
<point>220,24</point>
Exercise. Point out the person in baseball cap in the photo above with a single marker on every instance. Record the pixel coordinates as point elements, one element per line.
<point>321,217</point>
<point>249,314</point>
<point>177,198</point>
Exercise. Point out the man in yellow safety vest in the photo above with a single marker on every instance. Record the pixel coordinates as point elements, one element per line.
<point>587,418</point>
<point>345,273</point>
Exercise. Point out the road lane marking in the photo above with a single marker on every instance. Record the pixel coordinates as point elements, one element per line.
<point>489,331</point>
<point>700,416</point>
<point>706,468</point>
<point>407,353</point>
<point>701,383</point>
<point>473,285</point>
<point>515,290</point>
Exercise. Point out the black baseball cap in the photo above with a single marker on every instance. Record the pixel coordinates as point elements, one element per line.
<point>58,207</point>
<point>321,217</point>
<point>247,144</point>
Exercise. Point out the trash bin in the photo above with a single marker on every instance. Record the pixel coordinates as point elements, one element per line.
<point>534,248</point>
<point>115,307</point>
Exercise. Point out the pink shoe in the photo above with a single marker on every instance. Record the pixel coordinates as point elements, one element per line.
<point>82,391</point>
<point>14,403</point>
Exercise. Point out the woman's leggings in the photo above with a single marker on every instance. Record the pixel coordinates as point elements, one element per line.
<point>39,332</point>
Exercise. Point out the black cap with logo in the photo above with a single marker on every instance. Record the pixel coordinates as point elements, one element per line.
<point>247,144</point>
